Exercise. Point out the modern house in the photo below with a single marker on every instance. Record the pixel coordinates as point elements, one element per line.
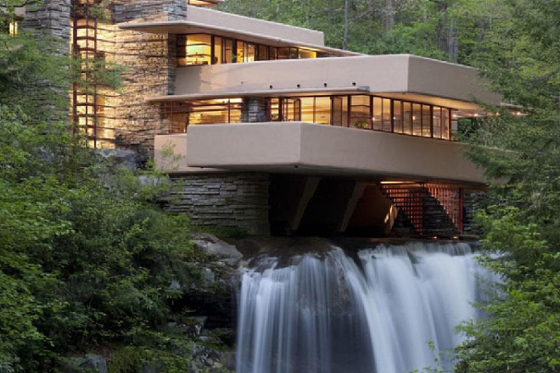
<point>265,128</point>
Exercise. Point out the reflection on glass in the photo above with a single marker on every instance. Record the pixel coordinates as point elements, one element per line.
<point>387,126</point>
<point>360,112</point>
<point>454,125</point>
<point>426,121</point>
<point>228,51</point>
<point>305,53</point>
<point>337,113</point>
<point>397,117</point>
<point>283,53</point>
<point>437,122</point>
<point>323,110</point>
<point>291,110</point>
<point>215,112</point>
<point>377,114</point>
<point>195,49</point>
<point>217,50</point>
<point>354,111</point>
<point>262,53</point>
<point>407,118</point>
<point>250,50</point>
<point>294,55</point>
<point>417,119</point>
<point>307,109</point>
<point>445,131</point>
<point>240,54</point>
<point>274,109</point>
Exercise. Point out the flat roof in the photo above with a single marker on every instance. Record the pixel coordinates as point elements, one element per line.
<point>405,77</point>
<point>190,27</point>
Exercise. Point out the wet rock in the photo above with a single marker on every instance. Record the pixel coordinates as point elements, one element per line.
<point>121,158</point>
<point>212,245</point>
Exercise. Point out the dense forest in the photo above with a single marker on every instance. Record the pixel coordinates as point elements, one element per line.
<point>450,30</point>
<point>65,288</point>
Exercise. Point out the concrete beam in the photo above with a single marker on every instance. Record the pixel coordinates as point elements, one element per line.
<point>357,194</point>
<point>309,188</point>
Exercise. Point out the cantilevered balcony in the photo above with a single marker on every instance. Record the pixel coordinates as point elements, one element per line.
<point>309,149</point>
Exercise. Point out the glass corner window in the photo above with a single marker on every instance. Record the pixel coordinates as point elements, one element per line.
<point>194,49</point>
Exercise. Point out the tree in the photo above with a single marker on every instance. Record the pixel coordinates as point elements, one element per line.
<point>519,55</point>
<point>87,258</point>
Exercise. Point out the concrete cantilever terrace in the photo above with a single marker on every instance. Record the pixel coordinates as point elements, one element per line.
<point>341,140</point>
<point>416,78</point>
<point>203,20</point>
<point>316,149</point>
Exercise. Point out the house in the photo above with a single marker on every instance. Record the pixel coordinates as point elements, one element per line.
<point>266,129</point>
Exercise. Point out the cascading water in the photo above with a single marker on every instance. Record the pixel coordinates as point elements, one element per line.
<point>329,313</point>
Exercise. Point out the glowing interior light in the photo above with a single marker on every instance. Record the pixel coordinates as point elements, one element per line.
<point>13,28</point>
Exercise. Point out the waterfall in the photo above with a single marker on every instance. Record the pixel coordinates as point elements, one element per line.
<point>375,313</point>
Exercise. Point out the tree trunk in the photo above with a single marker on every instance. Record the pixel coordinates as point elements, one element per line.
<point>447,32</point>
<point>346,23</point>
<point>388,15</point>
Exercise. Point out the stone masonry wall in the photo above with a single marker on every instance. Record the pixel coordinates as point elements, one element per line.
<point>224,200</point>
<point>149,61</point>
<point>253,109</point>
<point>51,17</point>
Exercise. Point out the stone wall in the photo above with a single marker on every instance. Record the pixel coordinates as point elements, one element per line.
<point>50,17</point>
<point>149,63</point>
<point>253,109</point>
<point>237,200</point>
<point>471,200</point>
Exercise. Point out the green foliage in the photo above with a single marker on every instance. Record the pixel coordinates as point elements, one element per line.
<point>443,29</point>
<point>519,55</point>
<point>87,258</point>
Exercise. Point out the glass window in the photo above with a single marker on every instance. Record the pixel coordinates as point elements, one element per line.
<point>215,111</point>
<point>273,53</point>
<point>294,54</point>
<point>397,117</point>
<point>291,110</point>
<point>217,50</point>
<point>283,53</point>
<point>194,49</point>
<point>262,53</point>
<point>407,118</point>
<point>308,109</point>
<point>323,110</point>
<point>274,109</point>
<point>229,53</point>
<point>240,54</point>
<point>437,122</point>
<point>454,125</point>
<point>417,120</point>
<point>387,127</point>
<point>426,121</point>
<point>306,53</point>
<point>377,114</point>
<point>340,111</point>
<point>445,130</point>
<point>250,52</point>
<point>360,112</point>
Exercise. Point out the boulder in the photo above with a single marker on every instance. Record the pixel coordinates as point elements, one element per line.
<point>121,158</point>
<point>212,245</point>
